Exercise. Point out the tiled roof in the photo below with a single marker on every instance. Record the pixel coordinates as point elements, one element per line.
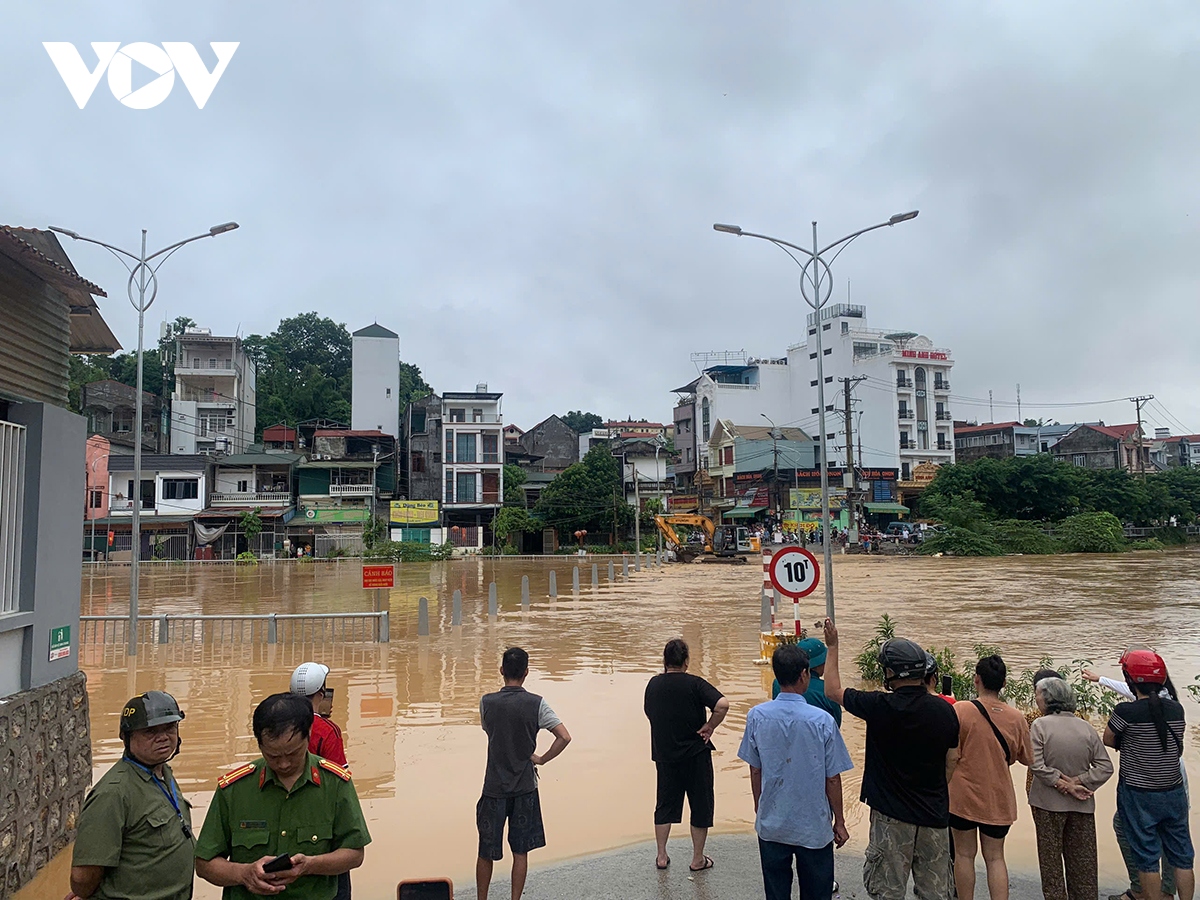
<point>1117,432</point>
<point>42,249</point>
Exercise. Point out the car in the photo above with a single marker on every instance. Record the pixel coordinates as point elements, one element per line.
<point>903,531</point>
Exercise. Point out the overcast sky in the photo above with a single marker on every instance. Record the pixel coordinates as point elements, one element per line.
<point>525,191</point>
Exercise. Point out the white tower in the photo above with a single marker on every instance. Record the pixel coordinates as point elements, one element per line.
<point>375,384</point>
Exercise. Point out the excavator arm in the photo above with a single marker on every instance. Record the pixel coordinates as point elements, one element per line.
<point>704,523</point>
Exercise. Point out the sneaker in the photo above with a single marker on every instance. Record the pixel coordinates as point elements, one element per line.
<point>836,887</point>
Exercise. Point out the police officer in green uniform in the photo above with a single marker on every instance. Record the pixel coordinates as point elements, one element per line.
<point>288,802</point>
<point>135,830</point>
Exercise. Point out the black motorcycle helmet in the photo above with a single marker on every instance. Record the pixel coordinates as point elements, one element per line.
<point>931,666</point>
<point>901,658</point>
<point>147,710</point>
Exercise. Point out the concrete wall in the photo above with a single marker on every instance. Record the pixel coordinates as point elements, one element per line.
<point>52,530</point>
<point>45,771</point>
<point>375,385</point>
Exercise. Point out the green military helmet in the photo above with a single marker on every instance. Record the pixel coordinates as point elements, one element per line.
<point>147,710</point>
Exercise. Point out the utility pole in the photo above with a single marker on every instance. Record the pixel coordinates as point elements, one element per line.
<point>1137,402</point>
<point>1019,419</point>
<point>991,414</point>
<point>852,481</point>
<point>637,514</point>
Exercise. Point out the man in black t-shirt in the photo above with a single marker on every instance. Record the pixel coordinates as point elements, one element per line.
<point>677,705</point>
<point>906,772</point>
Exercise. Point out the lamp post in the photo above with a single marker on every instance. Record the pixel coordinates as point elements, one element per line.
<point>815,272</point>
<point>141,276</point>
<point>775,475</point>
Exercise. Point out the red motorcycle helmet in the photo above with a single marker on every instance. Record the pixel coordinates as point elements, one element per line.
<point>1144,667</point>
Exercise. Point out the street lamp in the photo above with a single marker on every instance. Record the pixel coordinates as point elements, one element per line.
<point>775,435</point>
<point>140,275</point>
<point>820,278</point>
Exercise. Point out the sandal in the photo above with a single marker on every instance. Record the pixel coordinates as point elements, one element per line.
<point>708,864</point>
<point>657,866</point>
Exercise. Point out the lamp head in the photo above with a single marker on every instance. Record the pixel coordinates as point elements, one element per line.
<point>903,217</point>
<point>728,229</point>
<point>70,234</point>
<point>221,229</point>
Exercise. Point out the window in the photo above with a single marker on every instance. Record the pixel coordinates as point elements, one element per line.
<point>97,498</point>
<point>687,454</point>
<point>1079,459</point>
<point>437,459</point>
<point>491,448</point>
<point>477,415</point>
<point>826,327</point>
<point>449,446</point>
<point>845,328</point>
<point>183,488</point>
<point>195,362</point>
<point>243,487</point>
<point>829,379</point>
<point>418,421</point>
<point>147,492</point>
<point>905,471</point>
<point>458,415</point>
<point>465,492</point>
<point>389,392</point>
<point>815,409</point>
<point>729,456</point>
<point>464,450</point>
<point>212,363</point>
<point>827,351</point>
<point>704,417</point>
<point>449,486</point>
<point>812,331</point>
<point>813,383</point>
<point>417,461</point>
<point>812,356</point>
<point>12,477</point>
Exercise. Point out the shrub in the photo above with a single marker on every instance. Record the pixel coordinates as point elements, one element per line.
<point>956,541</point>
<point>1017,536</point>
<point>1148,544</point>
<point>1094,532</point>
<point>1171,537</point>
<point>246,558</point>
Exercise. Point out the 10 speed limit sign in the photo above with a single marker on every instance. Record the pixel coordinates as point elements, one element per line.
<point>794,572</point>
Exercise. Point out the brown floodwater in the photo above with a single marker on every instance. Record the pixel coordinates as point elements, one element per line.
<point>409,709</point>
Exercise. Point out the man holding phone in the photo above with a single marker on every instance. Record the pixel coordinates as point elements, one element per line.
<point>290,819</point>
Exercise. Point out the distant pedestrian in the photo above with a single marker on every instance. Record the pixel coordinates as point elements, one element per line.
<point>983,805</point>
<point>512,718</point>
<point>135,828</point>
<point>909,735</point>
<point>796,756</point>
<point>681,726</point>
<point>1069,765</point>
<point>1151,798</point>
<point>816,652</point>
<point>325,738</point>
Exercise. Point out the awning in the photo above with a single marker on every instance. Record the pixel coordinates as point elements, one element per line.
<point>742,512</point>
<point>886,507</point>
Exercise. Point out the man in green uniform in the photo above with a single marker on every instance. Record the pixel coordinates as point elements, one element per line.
<point>288,802</point>
<point>135,829</point>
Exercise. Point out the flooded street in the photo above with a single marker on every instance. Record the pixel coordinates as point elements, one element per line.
<point>409,709</point>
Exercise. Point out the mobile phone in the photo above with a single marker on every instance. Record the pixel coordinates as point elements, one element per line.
<point>280,863</point>
<point>429,889</point>
<point>947,685</point>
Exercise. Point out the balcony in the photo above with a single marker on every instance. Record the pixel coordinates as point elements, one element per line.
<point>943,415</point>
<point>253,498</point>
<point>904,382</point>
<point>351,490</point>
<point>907,445</point>
<point>447,422</point>
<point>904,414</point>
<point>941,385</point>
<point>942,445</point>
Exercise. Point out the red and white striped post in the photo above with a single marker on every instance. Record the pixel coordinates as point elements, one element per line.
<point>796,614</point>
<point>767,587</point>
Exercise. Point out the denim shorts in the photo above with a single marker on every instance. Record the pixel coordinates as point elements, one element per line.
<point>523,814</point>
<point>1156,826</point>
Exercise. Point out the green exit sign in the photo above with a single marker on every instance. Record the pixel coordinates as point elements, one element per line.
<point>60,642</point>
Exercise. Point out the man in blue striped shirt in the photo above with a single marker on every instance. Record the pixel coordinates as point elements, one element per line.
<point>796,756</point>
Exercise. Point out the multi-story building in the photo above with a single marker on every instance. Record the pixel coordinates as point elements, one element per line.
<point>682,472</point>
<point>472,464</point>
<point>743,462</point>
<point>173,489</point>
<point>213,404</point>
<point>110,409</point>
<point>344,479</point>
<point>901,407</point>
<point>421,474</point>
<point>994,440</point>
<point>1181,450</point>
<point>1106,447</point>
<point>375,380</point>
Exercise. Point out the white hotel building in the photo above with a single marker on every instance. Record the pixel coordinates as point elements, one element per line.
<point>901,411</point>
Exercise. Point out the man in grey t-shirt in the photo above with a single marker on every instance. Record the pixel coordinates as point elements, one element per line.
<point>512,718</point>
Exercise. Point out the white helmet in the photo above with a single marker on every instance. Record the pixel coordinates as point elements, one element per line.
<point>308,678</point>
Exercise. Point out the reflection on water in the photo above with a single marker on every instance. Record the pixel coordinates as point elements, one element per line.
<point>410,708</point>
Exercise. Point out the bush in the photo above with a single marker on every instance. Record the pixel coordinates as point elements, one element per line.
<point>1017,536</point>
<point>1171,537</point>
<point>1148,544</point>
<point>246,558</point>
<point>1095,532</point>
<point>956,541</point>
<point>409,551</point>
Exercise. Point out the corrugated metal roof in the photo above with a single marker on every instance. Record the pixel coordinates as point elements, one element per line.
<point>260,459</point>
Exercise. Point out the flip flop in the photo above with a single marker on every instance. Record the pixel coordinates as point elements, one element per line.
<point>708,864</point>
<point>657,866</point>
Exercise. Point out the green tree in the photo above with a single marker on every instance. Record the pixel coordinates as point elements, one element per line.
<point>412,385</point>
<point>586,495</point>
<point>514,481</point>
<point>581,422</point>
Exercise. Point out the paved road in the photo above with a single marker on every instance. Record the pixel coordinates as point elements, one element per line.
<point>629,874</point>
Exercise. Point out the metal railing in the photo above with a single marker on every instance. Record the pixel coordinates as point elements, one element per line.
<point>251,496</point>
<point>904,414</point>
<point>268,628</point>
<point>941,385</point>
<point>350,490</point>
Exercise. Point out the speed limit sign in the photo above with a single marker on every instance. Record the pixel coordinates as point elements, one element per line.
<point>794,572</point>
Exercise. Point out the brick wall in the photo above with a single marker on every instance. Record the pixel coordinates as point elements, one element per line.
<point>45,771</point>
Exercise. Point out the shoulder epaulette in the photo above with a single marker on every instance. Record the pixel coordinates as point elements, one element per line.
<point>230,777</point>
<point>340,771</point>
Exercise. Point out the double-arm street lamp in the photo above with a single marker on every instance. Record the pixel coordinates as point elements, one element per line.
<point>142,275</point>
<point>815,273</point>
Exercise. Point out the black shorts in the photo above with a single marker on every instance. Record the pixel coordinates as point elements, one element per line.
<point>525,830</point>
<point>996,832</point>
<point>692,776</point>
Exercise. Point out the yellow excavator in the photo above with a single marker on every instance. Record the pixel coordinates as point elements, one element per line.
<point>723,543</point>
